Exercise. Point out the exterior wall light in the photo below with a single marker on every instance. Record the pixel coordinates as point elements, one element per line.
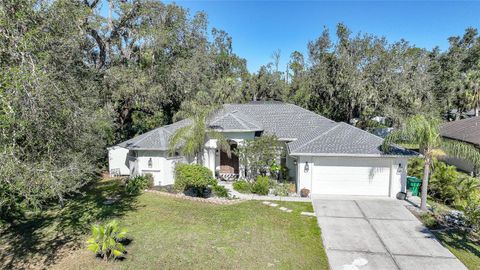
<point>306,168</point>
<point>150,163</point>
<point>400,168</point>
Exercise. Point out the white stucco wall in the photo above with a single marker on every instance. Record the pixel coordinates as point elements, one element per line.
<point>162,167</point>
<point>117,161</point>
<point>352,175</point>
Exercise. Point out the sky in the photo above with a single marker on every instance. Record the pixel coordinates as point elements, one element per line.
<point>260,28</point>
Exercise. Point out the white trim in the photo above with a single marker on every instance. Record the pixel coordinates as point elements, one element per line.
<point>348,155</point>
<point>390,179</point>
<point>147,149</point>
<point>236,130</point>
<point>287,139</point>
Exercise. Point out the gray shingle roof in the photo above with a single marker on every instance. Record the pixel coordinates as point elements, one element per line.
<point>286,121</point>
<point>343,139</point>
<point>233,121</point>
<point>466,130</point>
<point>157,139</point>
<point>338,140</point>
<point>308,132</point>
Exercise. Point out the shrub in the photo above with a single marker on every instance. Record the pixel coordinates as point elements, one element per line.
<point>193,177</point>
<point>136,184</point>
<point>443,183</point>
<point>242,186</point>
<point>220,191</point>
<point>106,240</point>
<point>150,180</point>
<point>471,210</point>
<point>261,186</point>
<point>280,189</point>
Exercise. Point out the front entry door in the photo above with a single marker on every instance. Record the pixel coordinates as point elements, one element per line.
<point>229,164</point>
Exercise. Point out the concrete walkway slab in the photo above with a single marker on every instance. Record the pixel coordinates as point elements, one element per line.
<point>364,261</point>
<point>338,234</point>
<point>372,233</point>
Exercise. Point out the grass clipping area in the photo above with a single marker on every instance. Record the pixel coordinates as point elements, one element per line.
<point>173,233</point>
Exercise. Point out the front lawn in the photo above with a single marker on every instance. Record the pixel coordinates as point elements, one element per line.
<point>173,233</point>
<point>465,249</point>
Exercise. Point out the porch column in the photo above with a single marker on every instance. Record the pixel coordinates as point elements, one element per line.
<point>210,149</point>
<point>241,166</point>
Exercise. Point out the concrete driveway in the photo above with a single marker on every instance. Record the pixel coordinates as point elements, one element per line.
<point>377,233</point>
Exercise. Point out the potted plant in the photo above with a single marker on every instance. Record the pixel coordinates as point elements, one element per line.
<point>304,192</point>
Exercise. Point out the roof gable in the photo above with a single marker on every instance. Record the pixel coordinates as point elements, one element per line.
<point>233,121</point>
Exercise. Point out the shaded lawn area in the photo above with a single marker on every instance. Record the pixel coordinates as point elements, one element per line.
<point>466,250</point>
<point>41,239</point>
<point>175,234</point>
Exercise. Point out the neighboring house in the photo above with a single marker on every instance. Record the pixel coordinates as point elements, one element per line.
<point>455,114</point>
<point>323,156</point>
<point>465,130</point>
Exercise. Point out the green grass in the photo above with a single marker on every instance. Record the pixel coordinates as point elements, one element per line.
<point>465,249</point>
<point>170,233</point>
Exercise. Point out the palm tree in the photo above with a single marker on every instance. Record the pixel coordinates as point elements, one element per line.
<point>472,84</point>
<point>191,139</point>
<point>425,132</point>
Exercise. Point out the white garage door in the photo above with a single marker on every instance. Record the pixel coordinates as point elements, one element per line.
<point>351,176</point>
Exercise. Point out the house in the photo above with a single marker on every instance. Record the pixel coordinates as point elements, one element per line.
<point>456,114</point>
<point>465,130</point>
<point>323,156</point>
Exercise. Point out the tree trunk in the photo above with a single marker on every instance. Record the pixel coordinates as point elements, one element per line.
<point>200,157</point>
<point>426,173</point>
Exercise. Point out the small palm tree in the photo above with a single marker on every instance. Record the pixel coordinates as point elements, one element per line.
<point>191,139</point>
<point>425,132</point>
<point>105,240</point>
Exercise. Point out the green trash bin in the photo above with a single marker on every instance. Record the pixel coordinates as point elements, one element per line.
<point>413,184</point>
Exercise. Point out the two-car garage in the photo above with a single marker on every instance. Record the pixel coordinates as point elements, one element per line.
<point>351,175</point>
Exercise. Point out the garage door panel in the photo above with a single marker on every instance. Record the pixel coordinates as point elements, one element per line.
<point>363,177</point>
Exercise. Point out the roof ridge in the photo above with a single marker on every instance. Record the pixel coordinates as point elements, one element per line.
<point>216,119</point>
<point>152,132</point>
<point>239,120</point>
<point>321,116</point>
<point>364,131</point>
<point>247,119</point>
<point>320,135</point>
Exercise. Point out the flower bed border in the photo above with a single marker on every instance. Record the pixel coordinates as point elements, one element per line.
<point>217,201</point>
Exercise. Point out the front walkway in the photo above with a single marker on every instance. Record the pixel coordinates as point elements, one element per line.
<point>378,233</point>
<point>236,194</point>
